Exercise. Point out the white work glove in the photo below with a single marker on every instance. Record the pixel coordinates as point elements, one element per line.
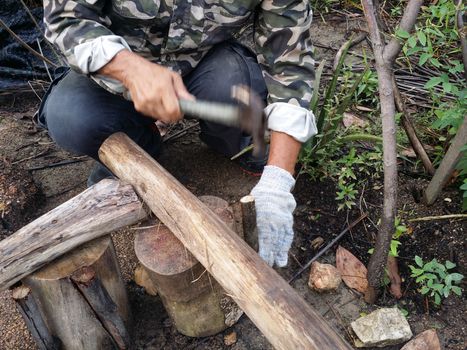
<point>274,207</point>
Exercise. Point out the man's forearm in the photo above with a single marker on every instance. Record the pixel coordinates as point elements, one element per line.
<point>283,152</point>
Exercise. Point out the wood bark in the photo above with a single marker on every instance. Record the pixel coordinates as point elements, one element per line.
<point>101,209</point>
<point>447,166</point>
<point>102,304</point>
<point>385,56</point>
<point>34,320</point>
<point>194,300</point>
<point>84,311</point>
<point>286,320</point>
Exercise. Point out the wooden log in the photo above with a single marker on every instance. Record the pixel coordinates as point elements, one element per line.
<point>83,298</point>
<point>286,320</point>
<point>249,221</point>
<point>102,304</point>
<point>447,166</point>
<point>105,207</point>
<point>32,316</point>
<point>193,299</point>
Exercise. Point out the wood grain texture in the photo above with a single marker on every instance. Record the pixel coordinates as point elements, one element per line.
<point>101,209</point>
<point>81,316</point>
<point>286,320</point>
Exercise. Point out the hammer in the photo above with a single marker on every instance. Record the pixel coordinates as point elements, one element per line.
<point>247,115</point>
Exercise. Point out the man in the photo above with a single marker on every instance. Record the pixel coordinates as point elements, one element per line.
<point>159,51</point>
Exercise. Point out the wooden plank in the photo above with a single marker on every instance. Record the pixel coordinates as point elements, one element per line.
<point>101,209</point>
<point>447,166</point>
<point>286,320</point>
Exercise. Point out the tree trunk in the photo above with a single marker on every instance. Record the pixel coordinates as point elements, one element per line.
<point>101,209</point>
<point>83,298</point>
<point>286,320</point>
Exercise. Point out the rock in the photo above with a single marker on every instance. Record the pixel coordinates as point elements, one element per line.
<point>230,339</point>
<point>427,340</point>
<point>382,327</point>
<point>324,277</point>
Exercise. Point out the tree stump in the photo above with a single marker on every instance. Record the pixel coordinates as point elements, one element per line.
<point>196,303</point>
<point>83,299</point>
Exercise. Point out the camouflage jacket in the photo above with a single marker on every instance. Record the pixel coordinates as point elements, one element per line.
<point>178,33</point>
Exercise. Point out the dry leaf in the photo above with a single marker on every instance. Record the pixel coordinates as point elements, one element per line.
<point>352,270</point>
<point>230,339</point>
<point>350,119</point>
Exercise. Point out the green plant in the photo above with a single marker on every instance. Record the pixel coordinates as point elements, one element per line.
<point>399,230</point>
<point>346,195</point>
<point>434,278</point>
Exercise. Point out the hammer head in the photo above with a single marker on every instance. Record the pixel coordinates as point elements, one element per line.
<point>252,117</point>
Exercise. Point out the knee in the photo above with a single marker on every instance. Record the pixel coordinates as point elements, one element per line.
<point>74,126</point>
<point>229,65</point>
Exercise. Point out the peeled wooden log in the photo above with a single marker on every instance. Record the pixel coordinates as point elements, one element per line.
<point>83,298</point>
<point>193,299</point>
<point>286,320</point>
<point>103,208</point>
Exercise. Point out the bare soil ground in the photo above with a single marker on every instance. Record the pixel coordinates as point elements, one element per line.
<point>26,155</point>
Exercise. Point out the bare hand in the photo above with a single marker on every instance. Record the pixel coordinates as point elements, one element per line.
<point>154,89</point>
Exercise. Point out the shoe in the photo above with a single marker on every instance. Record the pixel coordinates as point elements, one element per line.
<point>99,172</point>
<point>250,164</point>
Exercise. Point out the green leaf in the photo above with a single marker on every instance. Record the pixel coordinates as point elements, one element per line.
<point>456,290</point>
<point>433,82</point>
<point>450,265</point>
<point>401,33</point>
<point>437,299</point>
<point>421,37</point>
<point>439,287</point>
<point>456,277</point>
<point>412,41</point>
<point>423,58</point>
<point>424,290</point>
<point>418,261</point>
<point>446,291</point>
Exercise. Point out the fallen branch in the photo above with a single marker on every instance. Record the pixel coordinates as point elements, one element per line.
<point>447,166</point>
<point>327,247</point>
<point>440,217</point>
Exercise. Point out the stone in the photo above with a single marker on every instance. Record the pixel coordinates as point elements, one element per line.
<point>427,340</point>
<point>324,277</point>
<point>230,339</point>
<point>383,327</point>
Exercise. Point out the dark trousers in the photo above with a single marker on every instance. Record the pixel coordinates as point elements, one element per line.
<point>80,115</point>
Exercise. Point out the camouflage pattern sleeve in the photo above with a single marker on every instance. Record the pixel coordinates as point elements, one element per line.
<point>81,31</point>
<point>284,50</point>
